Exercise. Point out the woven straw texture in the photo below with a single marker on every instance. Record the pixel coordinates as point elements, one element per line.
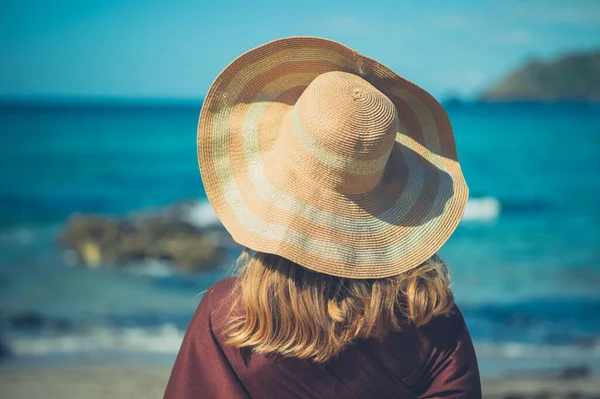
<point>316,153</point>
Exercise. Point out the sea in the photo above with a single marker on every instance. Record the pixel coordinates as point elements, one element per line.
<point>524,261</point>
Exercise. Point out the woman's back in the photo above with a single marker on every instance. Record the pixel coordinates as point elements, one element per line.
<point>341,181</point>
<point>436,360</point>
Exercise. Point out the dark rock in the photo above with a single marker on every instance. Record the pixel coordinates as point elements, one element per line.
<point>107,241</point>
<point>570,373</point>
<point>38,322</point>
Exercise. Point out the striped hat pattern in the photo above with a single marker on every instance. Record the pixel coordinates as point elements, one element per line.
<point>321,155</point>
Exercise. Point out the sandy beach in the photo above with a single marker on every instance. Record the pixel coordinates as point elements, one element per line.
<point>99,382</point>
<point>90,382</point>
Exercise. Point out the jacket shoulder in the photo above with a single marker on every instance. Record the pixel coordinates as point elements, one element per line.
<point>221,289</point>
<point>217,303</point>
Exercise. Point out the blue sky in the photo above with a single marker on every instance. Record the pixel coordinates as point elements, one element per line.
<point>161,49</point>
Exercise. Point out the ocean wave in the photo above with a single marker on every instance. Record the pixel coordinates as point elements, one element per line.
<point>202,214</point>
<point>482,209</point>
<point>19,235</point>
<point>544,321</point>
<point>165,339</point>
<point>537,351</point>
<point>551,361</point>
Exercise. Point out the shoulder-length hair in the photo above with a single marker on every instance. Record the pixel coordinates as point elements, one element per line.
<point>291,311</point>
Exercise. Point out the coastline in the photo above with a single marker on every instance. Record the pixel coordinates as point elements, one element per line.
<point>137,382</point>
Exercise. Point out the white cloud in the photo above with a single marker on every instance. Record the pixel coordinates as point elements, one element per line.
<point>449,21</point>
<point>514,36</point>
<point>349,25</point>
<point>472,77</point>
<point>468,81</point>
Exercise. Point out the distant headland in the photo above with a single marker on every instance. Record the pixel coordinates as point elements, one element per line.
<point>570,77</point>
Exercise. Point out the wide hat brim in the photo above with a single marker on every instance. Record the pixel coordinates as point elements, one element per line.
<point>269,205</point>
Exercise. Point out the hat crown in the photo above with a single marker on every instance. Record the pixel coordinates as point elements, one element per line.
<point>348,127</point>
<point>347,115</point>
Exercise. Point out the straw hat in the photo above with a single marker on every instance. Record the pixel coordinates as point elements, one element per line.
<point>316,153</point>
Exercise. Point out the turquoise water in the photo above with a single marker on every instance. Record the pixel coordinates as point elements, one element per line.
<point>526,273</point>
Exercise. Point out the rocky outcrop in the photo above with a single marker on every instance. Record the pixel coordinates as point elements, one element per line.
<point>572,77</point>
<point>99,240</point>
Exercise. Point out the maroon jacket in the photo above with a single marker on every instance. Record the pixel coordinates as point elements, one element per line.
<point>435,361</point>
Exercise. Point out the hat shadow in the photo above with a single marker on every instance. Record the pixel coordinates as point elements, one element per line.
<point>388,202</point>
<point>417,98</point>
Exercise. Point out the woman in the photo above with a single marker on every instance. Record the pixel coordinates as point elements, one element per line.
<point>341,180</point>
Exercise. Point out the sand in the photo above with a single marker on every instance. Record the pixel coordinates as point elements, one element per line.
<point>96,382</point>
<point>89,382</point>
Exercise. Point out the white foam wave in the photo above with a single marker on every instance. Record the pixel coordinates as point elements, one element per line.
<point>523,350</point>
<point>202,215</point>
<point>482,209</point>
<point>167,339</point>
<point>27,234</point>
<point>152,268</point>
<point>21,235</point>
<point>163,340</point>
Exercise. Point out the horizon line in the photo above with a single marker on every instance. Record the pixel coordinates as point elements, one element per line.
<point>96,100</point>
<point>107,101</point>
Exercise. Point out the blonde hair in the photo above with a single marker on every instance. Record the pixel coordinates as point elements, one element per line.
<point>294,312</point>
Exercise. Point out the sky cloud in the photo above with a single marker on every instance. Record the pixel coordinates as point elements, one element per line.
<point>472,77</point>
<point>449,21</point>
<point>514,37</point>
<point>348,25</point>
